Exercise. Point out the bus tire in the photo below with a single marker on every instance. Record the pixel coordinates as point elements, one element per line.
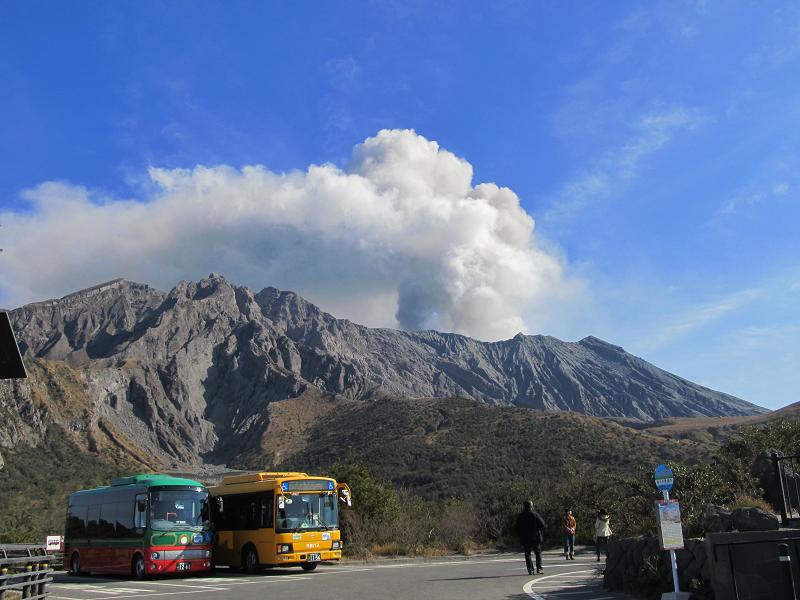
<point>309,566</point>
<point>138,570</point>
<point>75,564</point>
<point>249,559</point>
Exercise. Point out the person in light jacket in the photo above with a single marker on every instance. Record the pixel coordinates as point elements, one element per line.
<point>602,531</point>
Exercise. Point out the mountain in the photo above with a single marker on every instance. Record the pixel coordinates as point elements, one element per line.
<point>191,375</point>
<point>437,447</point>
<point>441,447</point>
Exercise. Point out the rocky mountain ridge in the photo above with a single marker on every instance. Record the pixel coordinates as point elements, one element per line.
<point>190,374</point>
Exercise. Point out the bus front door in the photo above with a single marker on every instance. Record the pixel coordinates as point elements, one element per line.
<point>224,549</point>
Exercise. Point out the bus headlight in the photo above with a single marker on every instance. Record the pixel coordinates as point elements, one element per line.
<point>284,548</point>
<point>154,556</point>
<point>336,545</point>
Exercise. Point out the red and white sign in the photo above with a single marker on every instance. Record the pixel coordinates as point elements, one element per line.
<point>54,543</point>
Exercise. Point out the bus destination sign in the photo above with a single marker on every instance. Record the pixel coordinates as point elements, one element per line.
<point>307,485</point>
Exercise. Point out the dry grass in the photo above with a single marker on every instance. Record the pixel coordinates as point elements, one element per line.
<point>290,425</point>
<point>747,501</point>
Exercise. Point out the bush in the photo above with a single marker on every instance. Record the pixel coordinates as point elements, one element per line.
<point>19,528</point>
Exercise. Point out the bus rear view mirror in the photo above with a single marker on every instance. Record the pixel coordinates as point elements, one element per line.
<point>345,496</point>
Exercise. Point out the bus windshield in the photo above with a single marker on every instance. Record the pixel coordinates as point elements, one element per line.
<point>298,512</point>
<point>177,508</point>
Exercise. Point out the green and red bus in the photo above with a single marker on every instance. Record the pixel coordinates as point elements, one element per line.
<point>141,525</point>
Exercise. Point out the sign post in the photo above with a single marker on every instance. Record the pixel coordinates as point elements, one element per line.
<point>669,521</point>
<point>54,543</point>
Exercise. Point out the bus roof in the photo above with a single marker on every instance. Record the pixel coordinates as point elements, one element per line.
<point>257,477</point>
<point>251,482</point>
<point>141,480</point>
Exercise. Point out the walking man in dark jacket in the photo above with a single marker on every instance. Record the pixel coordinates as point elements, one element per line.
<point>530,529</point>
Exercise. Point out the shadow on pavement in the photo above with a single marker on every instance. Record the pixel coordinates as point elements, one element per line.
<point>480,577</point>
<point>64,577</point>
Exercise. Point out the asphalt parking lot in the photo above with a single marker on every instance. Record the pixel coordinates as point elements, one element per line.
<point>488,577</point>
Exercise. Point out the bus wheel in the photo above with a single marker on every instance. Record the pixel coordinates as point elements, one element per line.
<point>137,567</point>
<point>249,559</point>
<point>75,564</point>
<point>309,566</point>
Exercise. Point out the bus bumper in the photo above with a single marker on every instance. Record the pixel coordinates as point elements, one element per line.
<point>178,560</point>
<point>296,558</point>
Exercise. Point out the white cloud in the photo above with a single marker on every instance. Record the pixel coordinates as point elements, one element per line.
<point>751,197</point>
<point>700,316</point>
<point>613,171</point>
<point>399,237</point>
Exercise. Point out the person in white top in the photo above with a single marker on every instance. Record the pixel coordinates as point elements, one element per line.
<point>602,531</point>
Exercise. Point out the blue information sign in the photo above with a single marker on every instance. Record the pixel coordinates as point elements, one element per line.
<point>664,478</point>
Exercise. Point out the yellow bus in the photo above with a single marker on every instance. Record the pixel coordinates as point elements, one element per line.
<point>277,520</point>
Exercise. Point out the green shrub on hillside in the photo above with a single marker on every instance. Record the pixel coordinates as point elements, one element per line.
<point>35,483</point>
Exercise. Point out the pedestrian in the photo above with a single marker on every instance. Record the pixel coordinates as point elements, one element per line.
<point>530,529</point>
<point>570,525</point>
<point>602,531</point>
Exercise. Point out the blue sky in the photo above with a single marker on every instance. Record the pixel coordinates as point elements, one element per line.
<point>657,147</point>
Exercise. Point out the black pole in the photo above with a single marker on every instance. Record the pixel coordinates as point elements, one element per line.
<point>786,567</point>
<point>796,500</point>
<point>779,475</point>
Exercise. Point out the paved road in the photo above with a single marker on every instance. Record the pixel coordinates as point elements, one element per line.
<point>483,577</point>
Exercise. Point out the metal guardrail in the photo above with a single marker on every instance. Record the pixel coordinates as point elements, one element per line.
<point>754,565</point>
<point>787,473</point>
<point>25,570</point>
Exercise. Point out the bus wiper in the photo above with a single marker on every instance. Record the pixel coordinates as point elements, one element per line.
<point>320,521</point>
<point>324,524</point>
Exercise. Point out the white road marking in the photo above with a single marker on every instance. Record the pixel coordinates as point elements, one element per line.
<point>186,585</point>
<point>148,594</point>
<point>582,578</point>
<point>100,590</point>
<point>337,571</point>
<point>528,587</point>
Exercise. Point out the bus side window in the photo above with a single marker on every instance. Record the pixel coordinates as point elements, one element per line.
<point>108,517</point>
<point>92,521</point>
<point>235,510</point>
<point>140,511</point>
<point>217,512</point>
<point>253,512</point>
<point>267,510</point>
<point>76,521</point>
<point>124,525</point>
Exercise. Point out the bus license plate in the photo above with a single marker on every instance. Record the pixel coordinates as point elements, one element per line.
<point>183,566</point>
<point>314,557</point>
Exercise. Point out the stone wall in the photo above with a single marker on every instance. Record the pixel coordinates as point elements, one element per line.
<point>638,565</point>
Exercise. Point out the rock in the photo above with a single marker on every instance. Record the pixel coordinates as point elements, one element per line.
<point>763,469</point>
<point>754,519</point>
<point>684,558</point>
<point>716,518</point>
